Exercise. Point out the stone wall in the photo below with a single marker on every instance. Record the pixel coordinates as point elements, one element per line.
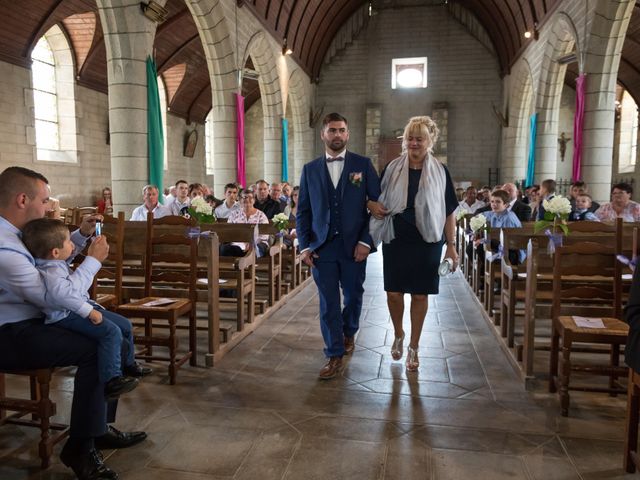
<point>461,72</point>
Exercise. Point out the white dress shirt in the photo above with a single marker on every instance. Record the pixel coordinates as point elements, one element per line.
<point>140,213</point>
<point>335,168</point>
<point>222,211</point>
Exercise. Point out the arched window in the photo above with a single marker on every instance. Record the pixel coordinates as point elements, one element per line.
<point>162,93</point>
<point>45,98</point>
<point>54,106</point>
<point>628,147</point>
<point>208,143</point>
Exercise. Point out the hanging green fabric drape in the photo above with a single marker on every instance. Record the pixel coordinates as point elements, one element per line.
<point>155,137</point>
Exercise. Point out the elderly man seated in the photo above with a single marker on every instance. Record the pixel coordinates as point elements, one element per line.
<point>150,195</point>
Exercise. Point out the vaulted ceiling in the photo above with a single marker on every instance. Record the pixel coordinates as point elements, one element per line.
<point>307,25</point>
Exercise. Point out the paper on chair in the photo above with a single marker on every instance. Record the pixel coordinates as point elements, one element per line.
<point>158,302</point>
<point>205,281</point>
<point>586,322</point>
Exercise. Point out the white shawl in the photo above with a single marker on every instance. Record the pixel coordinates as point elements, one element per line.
<point>429,202</point>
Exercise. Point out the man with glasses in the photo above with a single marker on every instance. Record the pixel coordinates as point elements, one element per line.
<point>332,224</point>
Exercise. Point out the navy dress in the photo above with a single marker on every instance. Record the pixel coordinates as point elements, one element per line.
<point>411,264</point>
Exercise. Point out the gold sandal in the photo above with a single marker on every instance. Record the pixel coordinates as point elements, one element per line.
<point>396,348</point>
<point>413,362</point>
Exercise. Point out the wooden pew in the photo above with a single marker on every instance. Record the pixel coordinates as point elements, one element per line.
<point>238,273</point>
<point>271,264</point>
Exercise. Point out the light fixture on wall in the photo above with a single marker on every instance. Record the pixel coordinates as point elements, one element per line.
<point>154,11</point>
<point>532,33</point>
<point>285,48</point>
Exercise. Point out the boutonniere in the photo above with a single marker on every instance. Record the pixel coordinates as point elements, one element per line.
<point>355,178</point>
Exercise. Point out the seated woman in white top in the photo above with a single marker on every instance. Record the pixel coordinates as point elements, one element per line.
<point>247,214</point>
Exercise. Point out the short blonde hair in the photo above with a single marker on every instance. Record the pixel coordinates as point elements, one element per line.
<point>421,126</point>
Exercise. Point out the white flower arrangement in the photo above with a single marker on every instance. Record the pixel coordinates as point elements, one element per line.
<point>461,213</point>
<point>280,221</point>
<point>556,213</point>
<point>478,223</point>
<point>201,210</point>
<point>558,205</point>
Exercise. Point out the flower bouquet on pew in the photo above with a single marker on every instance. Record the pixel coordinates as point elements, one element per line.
<point>461,213</point>
<point>203,213</point>
<point>479,227</point>
<point>554,223</point>
<point>281,222</point>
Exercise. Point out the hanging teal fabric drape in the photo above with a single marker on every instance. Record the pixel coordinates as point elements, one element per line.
<point>285,150</point>
<point>531,165</point>
<point>155,137</point>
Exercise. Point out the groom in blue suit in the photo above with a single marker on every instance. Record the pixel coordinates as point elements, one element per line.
<point>332,224</point>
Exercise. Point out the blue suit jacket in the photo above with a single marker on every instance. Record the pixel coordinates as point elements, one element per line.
<point>312,218</point>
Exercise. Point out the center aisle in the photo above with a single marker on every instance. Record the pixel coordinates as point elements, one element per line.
<point>262,413</point>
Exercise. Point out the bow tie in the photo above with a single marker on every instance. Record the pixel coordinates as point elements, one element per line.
<point>335,159</point>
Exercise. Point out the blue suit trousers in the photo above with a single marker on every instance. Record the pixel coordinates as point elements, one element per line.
<point>333,270</point>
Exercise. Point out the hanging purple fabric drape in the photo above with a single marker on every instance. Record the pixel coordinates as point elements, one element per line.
<point>577,128</point>
<point>241,177</point>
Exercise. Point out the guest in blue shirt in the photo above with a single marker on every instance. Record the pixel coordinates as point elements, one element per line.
<point>27,343</point>
<point>500,217</point>
<point>49,242</point>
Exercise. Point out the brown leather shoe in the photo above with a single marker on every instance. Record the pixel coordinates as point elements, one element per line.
<point>331,369</point>
<point>349,345</point>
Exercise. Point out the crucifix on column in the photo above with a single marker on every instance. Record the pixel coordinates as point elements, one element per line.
<point>562,142</point>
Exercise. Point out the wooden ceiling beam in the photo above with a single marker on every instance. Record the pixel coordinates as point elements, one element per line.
<point>177,52</point>
<point>41,29</point>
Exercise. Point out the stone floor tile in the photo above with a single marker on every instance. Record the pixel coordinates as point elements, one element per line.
<point>455,465</point>
<point>336,459</point>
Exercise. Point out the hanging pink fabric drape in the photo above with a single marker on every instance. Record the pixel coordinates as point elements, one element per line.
<point>241,177</point>
<point>577,128</point>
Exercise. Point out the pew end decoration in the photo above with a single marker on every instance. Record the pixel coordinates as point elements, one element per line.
<point>281,222</point>
<point>479,224</point>
<point>554,223</point>
<point>201,211</point>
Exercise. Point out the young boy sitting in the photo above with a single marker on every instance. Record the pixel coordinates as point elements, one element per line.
<point>67,294</point>
<point>500,217</point>
<point>583,209</point>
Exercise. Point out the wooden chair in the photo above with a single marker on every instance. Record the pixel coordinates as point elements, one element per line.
<point>80,212</point>
<point>39,406</point>
<point>586,282</point>
<point>171,264</point>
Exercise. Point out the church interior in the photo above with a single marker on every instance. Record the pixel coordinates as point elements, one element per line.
<point>234,91</point>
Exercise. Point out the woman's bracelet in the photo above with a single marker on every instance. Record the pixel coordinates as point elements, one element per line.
<point>450,242</point>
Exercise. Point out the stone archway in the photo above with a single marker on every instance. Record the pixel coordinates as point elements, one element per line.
<point>607,35</point>
<point>515,137</point>
<point>561,41</point>
<point>264,62</point>
<point>210,20</point>
<point>302,148</point>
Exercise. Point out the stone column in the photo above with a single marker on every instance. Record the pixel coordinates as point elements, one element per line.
<point>128,37</point>
<point>372,133</point>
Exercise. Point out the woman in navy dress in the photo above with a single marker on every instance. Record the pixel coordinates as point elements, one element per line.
<point>418,193</point>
